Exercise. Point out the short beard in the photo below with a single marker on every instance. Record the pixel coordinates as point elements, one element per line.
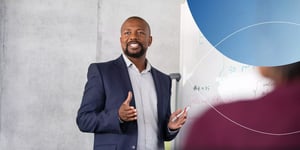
<point>135,55</point>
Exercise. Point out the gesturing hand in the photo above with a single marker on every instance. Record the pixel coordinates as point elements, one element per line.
<point>177,123</point>
<point>127,112</point>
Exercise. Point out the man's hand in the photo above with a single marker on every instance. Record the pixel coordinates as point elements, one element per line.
<point>178,122</point>
<point>127,112</point>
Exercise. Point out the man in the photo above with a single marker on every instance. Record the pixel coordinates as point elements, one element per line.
<point>126,102</point>
<point>270,122</point>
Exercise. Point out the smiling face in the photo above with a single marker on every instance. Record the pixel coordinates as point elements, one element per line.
<point>135,37</point>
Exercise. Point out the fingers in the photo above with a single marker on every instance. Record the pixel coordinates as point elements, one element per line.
<point>177,111</point>
<point>181,113</point>
<point>174,116</point>
<point>177,120</point>
<point>130,115</point>
<point>129,98</point>
<point>127,112</point>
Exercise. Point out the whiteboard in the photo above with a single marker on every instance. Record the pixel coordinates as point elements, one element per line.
<point>210,78</point>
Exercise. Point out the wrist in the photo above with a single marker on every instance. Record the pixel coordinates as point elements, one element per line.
<point>120,120</point>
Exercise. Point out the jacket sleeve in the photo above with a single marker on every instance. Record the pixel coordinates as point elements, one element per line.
<point>92,115</point>
<point>169,135</point>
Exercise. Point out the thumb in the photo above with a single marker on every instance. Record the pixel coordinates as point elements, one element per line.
<point>129,98</point>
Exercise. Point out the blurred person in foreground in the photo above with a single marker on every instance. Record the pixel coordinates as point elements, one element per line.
<point>269,122</point>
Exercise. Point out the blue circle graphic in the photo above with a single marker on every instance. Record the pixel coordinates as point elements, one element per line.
<point>254,32</point>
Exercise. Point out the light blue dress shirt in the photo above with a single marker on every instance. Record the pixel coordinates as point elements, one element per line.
<point>146,105</point>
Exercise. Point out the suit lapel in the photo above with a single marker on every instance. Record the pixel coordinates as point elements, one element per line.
<point>124,76</point>
<point>160,103</point>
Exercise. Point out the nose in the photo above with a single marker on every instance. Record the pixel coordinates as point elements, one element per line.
<point>133,36</point>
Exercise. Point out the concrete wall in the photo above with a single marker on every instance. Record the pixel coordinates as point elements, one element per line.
<point>1,50</point>
<point>45,49</point>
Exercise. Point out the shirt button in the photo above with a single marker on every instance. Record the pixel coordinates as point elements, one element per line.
<point>133,146</point>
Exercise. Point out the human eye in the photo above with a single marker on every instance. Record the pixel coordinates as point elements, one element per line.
<point>127,33</point>
<point>141,32</point>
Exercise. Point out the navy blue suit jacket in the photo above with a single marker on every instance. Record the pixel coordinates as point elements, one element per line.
<point>105,91</point>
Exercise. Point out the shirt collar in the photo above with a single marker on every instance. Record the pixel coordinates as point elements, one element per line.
<point>130,64</point>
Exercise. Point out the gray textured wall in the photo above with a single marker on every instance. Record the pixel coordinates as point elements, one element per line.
<point>45,49</point>
<point>1,51</point>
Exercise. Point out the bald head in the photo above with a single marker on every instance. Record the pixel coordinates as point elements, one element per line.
<point>139,19</point>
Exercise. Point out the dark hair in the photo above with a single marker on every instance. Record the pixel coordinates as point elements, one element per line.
<point>290,71</point>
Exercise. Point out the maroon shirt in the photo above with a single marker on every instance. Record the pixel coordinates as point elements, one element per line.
<point>270,122</point>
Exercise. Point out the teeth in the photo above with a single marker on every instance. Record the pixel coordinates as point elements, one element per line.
<point>134,45</point>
